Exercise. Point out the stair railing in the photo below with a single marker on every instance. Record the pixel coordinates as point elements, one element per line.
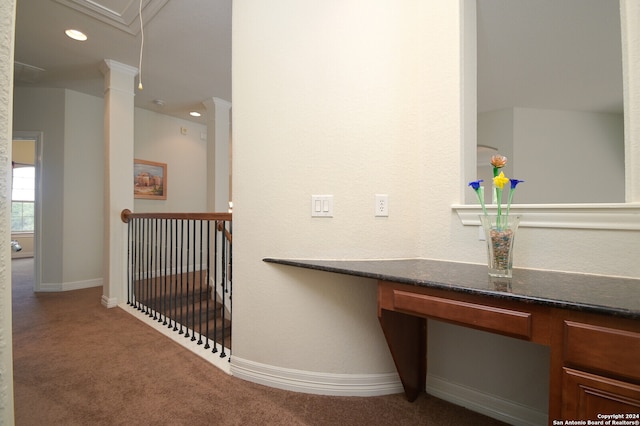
<point>179,269</point>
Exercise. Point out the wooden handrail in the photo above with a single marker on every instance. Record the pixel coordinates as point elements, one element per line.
<point>127,214</point>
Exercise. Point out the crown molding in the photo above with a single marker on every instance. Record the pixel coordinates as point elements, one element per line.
<point>123,16</point>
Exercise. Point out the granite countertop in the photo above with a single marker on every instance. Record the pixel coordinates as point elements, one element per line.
<point>585,292</point>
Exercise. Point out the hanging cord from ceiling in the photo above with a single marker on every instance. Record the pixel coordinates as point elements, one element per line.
<point>141,47</point>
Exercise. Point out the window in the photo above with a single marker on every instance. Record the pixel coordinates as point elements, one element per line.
<point>22,199</point>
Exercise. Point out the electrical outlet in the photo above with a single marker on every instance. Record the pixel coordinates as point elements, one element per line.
<point>382,205</point>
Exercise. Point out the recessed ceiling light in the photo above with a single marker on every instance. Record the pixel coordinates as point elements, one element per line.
<point>195,114</point>
<point>76,34</point>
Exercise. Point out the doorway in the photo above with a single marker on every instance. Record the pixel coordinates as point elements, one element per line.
<point>26,217</point>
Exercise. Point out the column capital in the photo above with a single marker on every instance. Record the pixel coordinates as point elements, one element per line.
<point>118,76</point>
<point>109,65</point>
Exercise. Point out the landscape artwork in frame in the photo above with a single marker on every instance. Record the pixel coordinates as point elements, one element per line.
<point>149,180</point>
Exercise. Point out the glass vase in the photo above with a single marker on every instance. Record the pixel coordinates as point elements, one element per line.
<point>500,233</point>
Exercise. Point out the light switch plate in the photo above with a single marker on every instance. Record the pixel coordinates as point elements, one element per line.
<point>322,206</point>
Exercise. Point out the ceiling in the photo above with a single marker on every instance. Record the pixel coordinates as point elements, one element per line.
<point>186,57</point>
<point>187,51</point>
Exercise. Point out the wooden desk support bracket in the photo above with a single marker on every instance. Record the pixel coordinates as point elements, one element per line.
<point>406,336</point>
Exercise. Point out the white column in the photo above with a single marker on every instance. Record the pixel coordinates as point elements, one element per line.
<point>7,31</point>
<point>218,154</point>
<point>118,191</point>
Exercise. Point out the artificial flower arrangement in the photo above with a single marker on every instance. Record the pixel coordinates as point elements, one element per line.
<point>499,231</point>
<point>499,181</point>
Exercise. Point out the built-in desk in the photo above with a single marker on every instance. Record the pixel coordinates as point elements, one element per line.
<point>590,323</point>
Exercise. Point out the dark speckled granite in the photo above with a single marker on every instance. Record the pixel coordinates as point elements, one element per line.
<point>593,293</point>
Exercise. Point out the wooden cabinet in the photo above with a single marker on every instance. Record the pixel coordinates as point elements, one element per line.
<point>601,372</point>
<point>588,396</point>
<point>595,358</point>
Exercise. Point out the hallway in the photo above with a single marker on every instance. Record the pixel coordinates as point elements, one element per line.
<point>77,363</point>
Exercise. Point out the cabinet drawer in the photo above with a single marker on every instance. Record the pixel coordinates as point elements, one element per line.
<point>490,318</point>
<point>602,348</point>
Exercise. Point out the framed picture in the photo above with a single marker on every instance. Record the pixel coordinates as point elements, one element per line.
<point>149,180</point>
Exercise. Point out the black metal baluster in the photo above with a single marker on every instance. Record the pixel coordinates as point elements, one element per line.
<point>160,273</point>
<point>130,265</point>
<point>156,271</point>
<point>138,268</point>
<point>152,253</point>
<point>230,284</point>
<point>171,273</point>
<point>208,286</point>
<point>224,286</point>
<point>181,275</point>
<point>200,275</point>
<point>132,262</point>
<point>193,284</point>
<point>149,286</point>
<point>186,324</point>
<point>152,275</point>
<point>145,266</point>
<point>215,288</point>
<point>166,291</point>
<point>137,290</point>
<point>145,282</point>
<point>176,277</point>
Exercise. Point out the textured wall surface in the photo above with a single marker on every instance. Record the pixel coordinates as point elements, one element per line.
<point>353,104</point>
<point>7,20</point>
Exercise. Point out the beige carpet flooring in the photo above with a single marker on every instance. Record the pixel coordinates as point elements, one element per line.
<point>78,363</point>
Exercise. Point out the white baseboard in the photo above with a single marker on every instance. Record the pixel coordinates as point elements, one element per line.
<point>21,254</point>
<point>75,285</point>
<point>206,354</point>
<point>384,384</point>
<point>109,302</point>
<point>481,402</point>
<point>316,383</point>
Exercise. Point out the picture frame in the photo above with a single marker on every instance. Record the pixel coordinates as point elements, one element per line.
<point>149,180</point>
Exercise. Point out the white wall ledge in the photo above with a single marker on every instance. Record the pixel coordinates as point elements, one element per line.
<point>623,216</point>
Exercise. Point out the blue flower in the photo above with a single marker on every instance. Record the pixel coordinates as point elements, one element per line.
<point>475,184</point>
<point>515,182</point>
<point>499,181</point>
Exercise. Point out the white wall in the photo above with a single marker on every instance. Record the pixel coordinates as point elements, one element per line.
<point>159,138</point>
<point>43,110</point>
<point>354,101</point>
<point>83,190</point>
<point>73,176</point>
<point>536,139</point>
<point>495,129</point>
<point>326,114</point>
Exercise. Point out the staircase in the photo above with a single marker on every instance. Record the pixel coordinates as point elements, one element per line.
<point>186,304</point>
<point>179,274</point>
